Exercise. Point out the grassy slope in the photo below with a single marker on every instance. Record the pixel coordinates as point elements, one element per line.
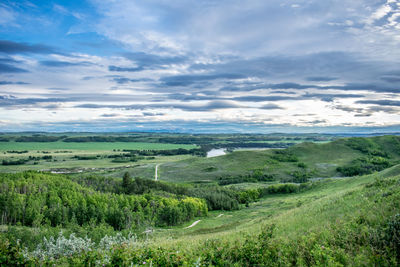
<point>319,213</point>
<point>332,204</point>
<point>322,159</point>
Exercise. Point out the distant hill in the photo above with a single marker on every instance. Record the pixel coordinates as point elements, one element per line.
<point>307,159</point>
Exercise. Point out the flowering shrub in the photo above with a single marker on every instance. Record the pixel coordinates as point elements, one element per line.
<point>56,248</point>
<point>52,248</point>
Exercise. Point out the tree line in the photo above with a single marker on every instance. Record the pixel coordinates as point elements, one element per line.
<point>34,199</point>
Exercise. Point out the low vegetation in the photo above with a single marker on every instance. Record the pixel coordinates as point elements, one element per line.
<point>273,207</point>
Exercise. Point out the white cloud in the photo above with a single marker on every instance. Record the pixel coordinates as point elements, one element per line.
<point>7,16</point>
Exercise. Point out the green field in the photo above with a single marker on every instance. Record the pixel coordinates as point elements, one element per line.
<point>321,218</point>
<point>87,146</point>
<point>321,160</point>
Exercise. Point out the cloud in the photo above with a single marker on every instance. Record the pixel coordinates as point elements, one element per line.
<point>212,105</point>
<point>124,80</point>
<point>7,68</point>
<point>391,79</point>
<point>58,89</point>
<point>109,115</point>
<point>271,106</point>
<point>390,110</point>
<point>363,115</point>
<point>153,61</point>
<point>10,101</point>
<point>263,98</point>
<point>185,80</point>
<point>125,69</point>
<point>145,57</point>
<point>383,102</point>
<point>62,64</point>
<point>8,82</point>
<point>151,114</point>
<point>331,97</point>
<point>321,79</point>
<point>10,47</point>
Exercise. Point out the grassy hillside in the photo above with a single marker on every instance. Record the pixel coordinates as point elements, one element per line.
<point>337,222</point>
<point>320,160</point>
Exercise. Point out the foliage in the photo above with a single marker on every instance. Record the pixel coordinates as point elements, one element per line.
<point>14,162</point>
<point>39,138</point>
<point>35,199</point>
<point>364,165</point>
<point>359,238</point>
<point>256,176</point>
<point>284,155</point>
<point>217,198</point>
<point>280,189</point>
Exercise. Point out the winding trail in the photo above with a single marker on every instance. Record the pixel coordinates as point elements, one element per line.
<point>193,224</point>
<point>156,173</point>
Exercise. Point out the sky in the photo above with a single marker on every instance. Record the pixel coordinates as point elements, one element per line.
<point>200,65</point>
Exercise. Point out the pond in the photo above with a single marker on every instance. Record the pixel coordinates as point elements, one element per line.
<point>215,152</point>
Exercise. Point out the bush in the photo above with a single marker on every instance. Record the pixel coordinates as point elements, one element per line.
<point>280,189</point>
<point>364,165</point>
<point>284,155</point>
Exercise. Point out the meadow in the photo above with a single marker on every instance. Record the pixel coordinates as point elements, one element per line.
<point>320,204</point>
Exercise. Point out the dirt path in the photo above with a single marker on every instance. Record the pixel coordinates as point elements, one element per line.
<point>193,224</point>
<point>156,173</point>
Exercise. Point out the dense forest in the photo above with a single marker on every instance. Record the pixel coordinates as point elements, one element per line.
<point>34,199</point>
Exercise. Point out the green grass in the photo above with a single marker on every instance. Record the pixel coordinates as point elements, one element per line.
<point>329,201</point>
<point>89,146</point>
<point>337,220</point>
<point>63,153</point>
<point>321,159</point>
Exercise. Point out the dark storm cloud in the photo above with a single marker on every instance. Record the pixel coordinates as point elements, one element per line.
<point>10,47</point>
